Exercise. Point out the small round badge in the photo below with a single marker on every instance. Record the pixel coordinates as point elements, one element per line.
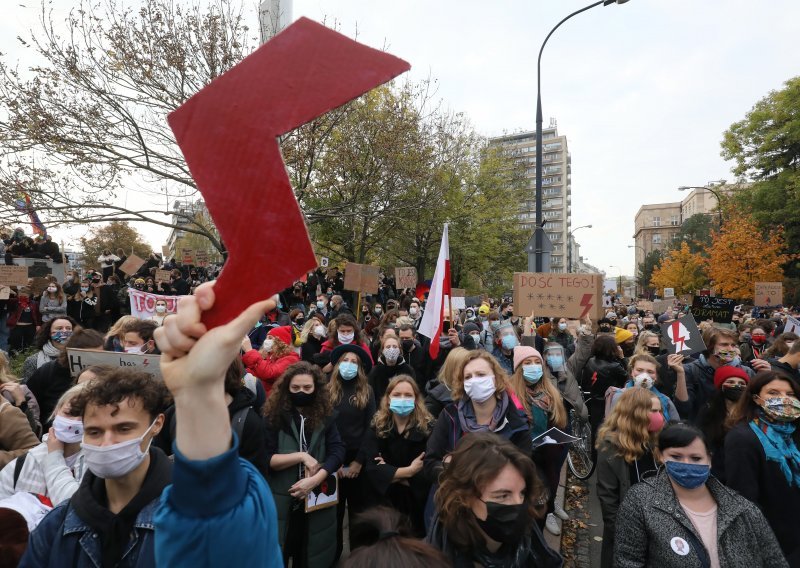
<point>679,546</point>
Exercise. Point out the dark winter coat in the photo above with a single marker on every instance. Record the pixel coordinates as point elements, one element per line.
<point>700,384</point>
<point>437,398</point>
<point>47,384</point>
<point>381,375</point>
<point>651,516</point>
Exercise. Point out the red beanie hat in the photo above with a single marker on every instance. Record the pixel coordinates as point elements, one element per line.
<point>283,333</point>
<point>728,371</point>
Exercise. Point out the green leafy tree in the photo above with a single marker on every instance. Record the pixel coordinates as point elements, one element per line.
<point>644,273</point>
<point>113,236</point>
<point>696,232</point>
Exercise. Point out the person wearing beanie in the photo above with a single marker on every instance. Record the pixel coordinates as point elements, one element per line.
<point>545,408</point>
<point>471,336</point>
<point>729,383</point>
<point>274,357</point>
<point>626,340</point>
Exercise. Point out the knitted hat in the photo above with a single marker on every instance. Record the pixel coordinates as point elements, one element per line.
<point>728,371</point>
<point>621,335</point>
<point>611,315</point>
<point>284,333</point>
<point>339,351</point>
<point>522,352</point>
<point>483,310</point>
<point>470,327</point>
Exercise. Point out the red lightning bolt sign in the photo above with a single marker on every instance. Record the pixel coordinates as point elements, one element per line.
<point>677,338</point>
<point>586,304</point>
<point>228,134</point>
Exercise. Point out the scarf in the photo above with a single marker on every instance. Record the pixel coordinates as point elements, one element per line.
<point>47,354</point>
<point>469,423</point>
<point>776,439</point>
<point>91,504</point>
<point>540,412</point>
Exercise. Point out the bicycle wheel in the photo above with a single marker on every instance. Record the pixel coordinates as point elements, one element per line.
<point>581,457</point>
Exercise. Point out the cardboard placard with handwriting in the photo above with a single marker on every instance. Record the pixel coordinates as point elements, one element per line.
<point>13,275</point>
<point>164,251</point>
<point>720,310</point>
<point>571,296</point>
<point>201,258</point>
<point>187,256</point>
<point>79,359</point>
<point>163,275</point>
<point>405,277</point>
<point>5,292</point>
<point>361,278</point>
<point>131,265</point>
<point>768,294</point>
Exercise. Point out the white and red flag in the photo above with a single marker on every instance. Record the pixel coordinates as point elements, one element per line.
<point>433,317</point>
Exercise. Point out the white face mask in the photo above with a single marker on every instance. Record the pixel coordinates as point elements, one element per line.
<point>68,430</point>
<point>480,389</point>
<point>412,311</point>
<point>117,460</point>
<point>346,337</point>
<point>643,380</point>
<point>320,331</point>
<point>136,350</point>
<point>268,344</point>
<point>161,309</point>
<point>51,289</point>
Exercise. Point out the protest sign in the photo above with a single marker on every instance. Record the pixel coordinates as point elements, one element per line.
<point>558,295</point>
<point>682,336</point>
<point>163,275</point>
<point>11,275</point>
<point>187,256</point>
<point>792,326</point>
<point>323,262</point>
<point>768,294</point>
<point>229,132</point>
<point>669,292</point>
<point>708,307</point>
<point>5,292</point>
<point>361,278</point>
<point>165,251</point>
<point>644,305</point>
<point>79,359</point>
<point>661,306</point>
<point>405,277</point>
<point>201,258</point>
<point>131,265</point>
<point>143,304</point>
<point>39,284</point>
<point>324,495</point>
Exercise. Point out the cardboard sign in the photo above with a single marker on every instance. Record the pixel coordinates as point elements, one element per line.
<point>768,294</point>
<point>201,258</point>
<point>792,326</point>
<point>165,251</point>
<point>131,265</point>
<point>229,132</point>
<point>361,278</point>
<point>718,309</point>
<point>661,306</point>
<point>39,284</point>
<point>682,336</point>
<point>405,277</point>
<point>143,304</point>
<point>323,262</point>
<point>11,275</point>
<point>79,359</point>
<point>558,295</point>
<point>644,305</point>
<point>669,292</point>
<point>5,292</point>
<point>187,257</point>
<point>163,275</point>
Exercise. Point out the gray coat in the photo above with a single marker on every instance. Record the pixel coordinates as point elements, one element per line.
<point>651,516</point>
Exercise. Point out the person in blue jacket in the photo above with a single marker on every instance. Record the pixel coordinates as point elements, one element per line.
<point>219,509</point>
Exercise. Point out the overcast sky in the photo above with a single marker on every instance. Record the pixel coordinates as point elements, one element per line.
<point>643,91</point>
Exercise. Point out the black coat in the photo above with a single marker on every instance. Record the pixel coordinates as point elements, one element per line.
<point>47,384</point>
<point>761,480</point>
<point>381,375</point>
<point>598,376</point>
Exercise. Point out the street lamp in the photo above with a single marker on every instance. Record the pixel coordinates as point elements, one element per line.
<point>709,187</point>
<point>538,233</point>
<point>569,245</point>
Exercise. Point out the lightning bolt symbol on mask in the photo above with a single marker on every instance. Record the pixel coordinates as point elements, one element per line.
<point>586,304</point>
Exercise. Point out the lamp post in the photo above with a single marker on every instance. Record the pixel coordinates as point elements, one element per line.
<point>569,245</point>
<point>636,268</point>
<point>538,233</point>
<point>709,187</point>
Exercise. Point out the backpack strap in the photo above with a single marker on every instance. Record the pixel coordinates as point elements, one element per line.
<point>18,467</point>
<point>238,420</point>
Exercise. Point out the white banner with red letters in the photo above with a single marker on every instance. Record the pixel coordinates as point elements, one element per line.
<point>143,304</point>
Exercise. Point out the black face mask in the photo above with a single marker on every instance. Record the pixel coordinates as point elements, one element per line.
<point>733,393</point>
<point>654,351</point>
<point>505,523</point>
<point>300,399</point>
<point>650,327</point>
<point>604,328</point>
<point>407,344</point>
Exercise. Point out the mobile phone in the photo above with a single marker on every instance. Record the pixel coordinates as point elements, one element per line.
<point>446,326</point>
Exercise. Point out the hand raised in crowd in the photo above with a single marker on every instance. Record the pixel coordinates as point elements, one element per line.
<point>675,362</point>
<point>452,335</point>
<point>760,365</point>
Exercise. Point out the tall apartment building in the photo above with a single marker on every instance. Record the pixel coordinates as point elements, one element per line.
<point>183,212</point>
<point>655,225</point>
<point>556,186</point>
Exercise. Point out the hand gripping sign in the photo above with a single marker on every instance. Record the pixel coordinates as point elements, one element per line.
<point>228,134</point>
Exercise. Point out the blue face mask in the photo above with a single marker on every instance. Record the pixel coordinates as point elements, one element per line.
<point>509,342</point>
<point>401,406</point>
<point>688,475</point>
<point>532,373</point>
<point>348,370</point>
<point>555,362</point>
<point>60,336</point>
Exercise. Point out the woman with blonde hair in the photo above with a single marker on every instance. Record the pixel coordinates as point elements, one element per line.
<point>312,335</point>
<point>649,342</point>
<point>481,403</point>
<point>19,395</point>
<point>275,356</point>
<point>625,444</point>
<point>55,467</point>
<point>114,336</point>
<point>397,439</point>
<point>438,389</point>
<point>545,408</point>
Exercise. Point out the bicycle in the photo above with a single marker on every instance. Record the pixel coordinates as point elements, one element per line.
<point>582,457</point>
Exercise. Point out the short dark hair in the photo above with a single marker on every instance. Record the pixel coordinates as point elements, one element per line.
<point>44,333</point>
<point>407,327</point>
<point>680,435</point>
<point>114,386</point>
<point>81,339</point>
<point>234,376</point>
<point>145,328</point>
<point>605,348</point>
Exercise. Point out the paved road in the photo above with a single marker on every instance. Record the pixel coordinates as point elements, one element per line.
<point>595,523</point>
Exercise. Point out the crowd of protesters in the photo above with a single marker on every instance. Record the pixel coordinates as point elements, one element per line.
<point>234,454</point>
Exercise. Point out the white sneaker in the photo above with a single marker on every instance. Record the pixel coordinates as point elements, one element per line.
<point>560,512</point>
<point>551,524</point>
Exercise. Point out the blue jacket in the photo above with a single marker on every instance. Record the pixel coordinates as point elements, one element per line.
<point>217,512</point>
<point>63,539</point>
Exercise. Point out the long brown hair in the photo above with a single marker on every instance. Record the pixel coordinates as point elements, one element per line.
<point>476,461</point>
<point>557,412</point>
<point>747,408</point>
<point>280,349</point>
<point>279,406</point>
<point>363,390</point>
<point>420,419</point>
<point>626,428</point>
<point>500,376</point>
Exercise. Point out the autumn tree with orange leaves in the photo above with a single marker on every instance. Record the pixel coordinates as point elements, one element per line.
<point>742,254</point>
<point>682,270</point>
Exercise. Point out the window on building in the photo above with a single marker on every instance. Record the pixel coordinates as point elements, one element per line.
<point>657,239</point>
<point>656,221</point>
<point>675,220</point>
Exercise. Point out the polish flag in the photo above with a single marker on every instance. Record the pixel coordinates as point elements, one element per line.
<point>433,316</point>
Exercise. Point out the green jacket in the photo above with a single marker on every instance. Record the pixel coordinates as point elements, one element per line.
<point>321,524</point>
